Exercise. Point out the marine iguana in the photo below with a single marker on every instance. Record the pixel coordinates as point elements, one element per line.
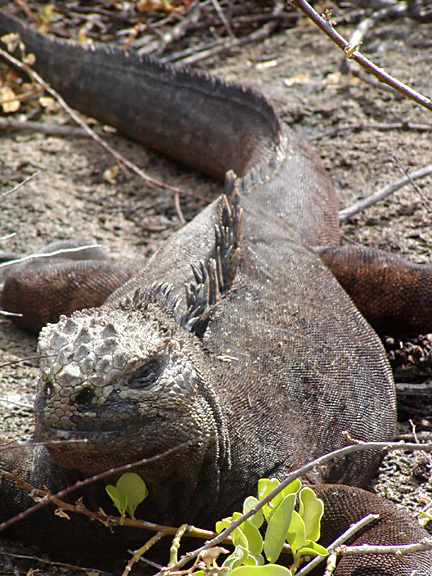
<point>264,364</point>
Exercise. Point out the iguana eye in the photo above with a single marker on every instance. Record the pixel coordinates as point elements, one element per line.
<point>146,375</point>
<point>48,390</point>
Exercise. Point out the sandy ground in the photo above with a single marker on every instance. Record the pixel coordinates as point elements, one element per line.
<point>299,70</point>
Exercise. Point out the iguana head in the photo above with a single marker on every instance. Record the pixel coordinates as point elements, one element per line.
<point>122,382</point>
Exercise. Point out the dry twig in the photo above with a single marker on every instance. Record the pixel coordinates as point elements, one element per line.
<point>157,47</point>
<point>338,542</point>
<point>12,125</point>
<point>383,193</point>
<point>15,188</point>
<point>353,53</point>
<point>221,45</point>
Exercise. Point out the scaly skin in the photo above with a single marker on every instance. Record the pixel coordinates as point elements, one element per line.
<point>262,367</point>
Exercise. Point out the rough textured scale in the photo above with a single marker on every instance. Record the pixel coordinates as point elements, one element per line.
<point>262,365</point>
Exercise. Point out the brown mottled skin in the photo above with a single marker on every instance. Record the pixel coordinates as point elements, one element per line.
<point>263,366</point>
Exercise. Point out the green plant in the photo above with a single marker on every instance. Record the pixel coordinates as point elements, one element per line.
<point>293,519</point>
<point>300,529</point>
<point>129,491</point>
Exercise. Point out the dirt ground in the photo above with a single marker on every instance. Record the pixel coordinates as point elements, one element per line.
<point>300,71</point>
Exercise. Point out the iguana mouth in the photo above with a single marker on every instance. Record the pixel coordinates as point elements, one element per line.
<point>117,417</point>
<point>94,434</point>
<point>101,437</point>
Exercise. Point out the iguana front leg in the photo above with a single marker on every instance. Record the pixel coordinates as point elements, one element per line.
<point>393,294</point>
<point>42,289</point>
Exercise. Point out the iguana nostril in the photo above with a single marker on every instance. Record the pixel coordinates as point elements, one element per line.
<point>85,396</point>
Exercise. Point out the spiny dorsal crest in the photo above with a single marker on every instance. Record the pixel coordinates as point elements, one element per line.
<point>158,293</point>
<point>215,275</point>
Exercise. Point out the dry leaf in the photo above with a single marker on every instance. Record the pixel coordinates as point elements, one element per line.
<point>62,514</point>
<point>299,79</point>
<point>160,5</point>
<point>266,64</point>
<point>334,78</point>
<point>48,103</point>
<point>111,174</point>
<point>29,59</point>
<point>11,40</point>
<point>82,36</point>
<point>8,100</point>
<point>211,554</point>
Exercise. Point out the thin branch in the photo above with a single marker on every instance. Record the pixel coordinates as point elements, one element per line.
<point>53,563</point>
<point>138,553</point>
<point>15,188</point>
<point>80,508</point>
<point>10,402</point>
<point>48,254</point>
<point>224,44</point>
<point>353,53</point>
<point>82,483</point>
<point>415,127</point>
<point>399,549</point>
<point>13,314</point>
<point>223,18</point>
<point>21,97</point>
<point>413,184</point>
<point>395,10</point>
<point>7,236</point>
<point>383,193</point>
<point>337,543</point>
<point>224,535</point>
<point>12,125</point>
<point>157,47</point>
<point>21,360</point>
<point>356,39</point>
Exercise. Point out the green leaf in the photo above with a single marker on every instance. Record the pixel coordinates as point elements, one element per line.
<point>266,570</point>
<point>118,498</point>
<point>238,536</point>
<point>277,528</point>
<point>265,486</point>
<point>258,518</point>
<point>296,534</point>
<point>239,539</point>
<point>246,535</point>
<point>311,510</point>
<point>238,557</point>
<point>312,549</point>
<point>134,489</point>
<point>254,538</point>
<point>222,524</point>
<point>254,560</point>
<point>293,487</point>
